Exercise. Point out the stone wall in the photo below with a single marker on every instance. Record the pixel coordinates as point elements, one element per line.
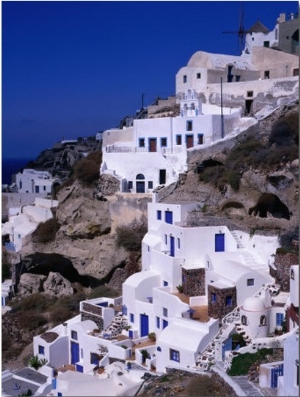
<point>98,320</point>
<point>87,307</point>
<point>194,282</point>
<point>282,263</point>
<point>218,308</point>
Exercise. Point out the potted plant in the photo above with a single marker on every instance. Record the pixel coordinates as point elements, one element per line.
<point>152,336</point>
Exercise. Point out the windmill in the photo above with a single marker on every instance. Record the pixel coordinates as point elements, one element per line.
<point>241,32</point>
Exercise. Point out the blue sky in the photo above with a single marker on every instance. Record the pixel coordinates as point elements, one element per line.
<point>74,68</point>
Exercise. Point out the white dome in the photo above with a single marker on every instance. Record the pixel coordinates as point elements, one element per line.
<point>254,304</point>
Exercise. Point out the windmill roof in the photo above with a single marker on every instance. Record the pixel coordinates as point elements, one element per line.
<point>258,27</point>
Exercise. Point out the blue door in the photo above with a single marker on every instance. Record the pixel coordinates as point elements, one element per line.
<point>220,242</point>
<point>140,187</point>
<point>74,352</point>
<point>165,323</point>
<point>79,368</point>
<point>169,217</point>
<point>172,246</point>
<point>144,325</point>
<point>275,372</point>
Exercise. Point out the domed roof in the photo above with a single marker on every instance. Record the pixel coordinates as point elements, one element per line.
<point>254,304</point>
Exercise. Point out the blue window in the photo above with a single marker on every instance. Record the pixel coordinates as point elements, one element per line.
<point>169,217</point>
<point>213,298</point>
<point>158,215</point>
<point>130,185</point>
<point>150,185</point>
<point>131,318</point>
<point>157,322</point>
<point>189,125</point>
<point>250,282</point>
<point>200,139</point>
<point>228,300</point>
<point>94,358</point>
<point>165,312</point>
<point>165,324</point>
<point>174,355</point>
<point>141,142</point>
<point>124,310</point>
<point>42,350</point>
<point>279,319</point>
<point>166,283</point>
<point>37,189</point>
<point>163,142</point>
<point>74,335</point>
<point>158,348</point>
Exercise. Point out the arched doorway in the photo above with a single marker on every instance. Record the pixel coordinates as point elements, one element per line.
<point>140,183</point>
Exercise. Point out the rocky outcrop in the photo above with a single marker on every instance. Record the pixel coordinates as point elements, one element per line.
<point>56,285</point>
<point>30,284</point>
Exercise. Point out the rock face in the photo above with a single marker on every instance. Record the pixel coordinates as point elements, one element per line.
<point>30,284</point>
<point>56,285</point>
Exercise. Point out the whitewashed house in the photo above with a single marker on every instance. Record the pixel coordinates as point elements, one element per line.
<point>203,262</point>
<point>33,181</point>
<point>153,151</point>
<point>24,220</point>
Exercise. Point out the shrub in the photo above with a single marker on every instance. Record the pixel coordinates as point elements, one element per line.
<point>59,314</point>
<point>130,237</point>
<point>234,179</point>
<point>145,354</point>
<point>31,320</point>
<point>152,336</point>
<point>46,231</point>
<point>241,364</point>
<point>87,170</point>
<point>35,362</point>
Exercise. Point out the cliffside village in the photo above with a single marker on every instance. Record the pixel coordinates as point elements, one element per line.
<point>198,285</point>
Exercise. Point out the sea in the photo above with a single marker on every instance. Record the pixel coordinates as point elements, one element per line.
<point>11,166</point>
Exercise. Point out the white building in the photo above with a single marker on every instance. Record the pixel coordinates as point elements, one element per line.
<point>153,151</point>
<point>24,220</point>
<point>32,181</point>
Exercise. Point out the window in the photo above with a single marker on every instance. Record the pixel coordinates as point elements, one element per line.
<point>165,324</point>
<point>148,248</point>
<point>165,283</point>
<point>74,335</point>
<point>94,359</point>
<point>250,282</point>
<point>44,187</point>
<point>198,75</point>
<point>184,78</point>
<point>131,318</point>
<point>292,274</point>
<point>42,350</point>
<point>165,312</point>
<point>157,322</point>
<point>37,189</point>
<point>228,300</point>
<point>249,93</point>
<point>213,298</point>
<point>158,349</point>
<point>266,44</point>
<point>200,139</point>
<point>150,185</point>
<point>174,355</point>
<point>158,215</point>
<point>141,142</point>
<point>263,320</point>
<point>189,125</point>
<point>163,142</point>
<point>297,372</point>
<point>178,243</point>
<point>279,319</point>
<point>130,185</point>
<point>124,310</point>
<point>166,239</point>
<point>244,320</point>
<point>178,140</point>
<point>267,74</point>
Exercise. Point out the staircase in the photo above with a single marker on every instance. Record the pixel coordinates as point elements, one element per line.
<point>116,327</point>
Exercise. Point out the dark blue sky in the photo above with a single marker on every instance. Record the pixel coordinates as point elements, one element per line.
<point>70,69</point>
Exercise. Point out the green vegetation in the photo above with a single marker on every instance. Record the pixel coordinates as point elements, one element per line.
<point>281,148</point>
<point>36,363</point>
<point>130,237</point>
<point>242,362</point>
<point>46,231</point>
<point>103,290</point>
